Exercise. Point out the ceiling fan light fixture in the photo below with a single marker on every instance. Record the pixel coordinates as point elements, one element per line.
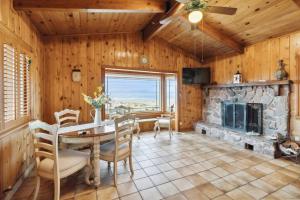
<point>195,16</point>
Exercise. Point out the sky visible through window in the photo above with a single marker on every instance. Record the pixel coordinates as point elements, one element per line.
<point>139,92</point>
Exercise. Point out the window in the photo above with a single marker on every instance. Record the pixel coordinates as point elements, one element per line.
<point>24,91</point>
<point>9,83</point>
<point>149,92</point>
<point>142,93</point>
<point>171,93</point>
<point>16,87</point>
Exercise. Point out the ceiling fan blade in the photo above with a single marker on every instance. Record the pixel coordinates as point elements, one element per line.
<point>297,2</point>
<point>221,10</point>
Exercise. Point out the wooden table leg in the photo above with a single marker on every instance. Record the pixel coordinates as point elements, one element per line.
<point>96,164</point>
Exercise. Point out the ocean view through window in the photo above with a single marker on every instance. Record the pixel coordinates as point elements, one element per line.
<point>141,92</point>
<point>138,92</point>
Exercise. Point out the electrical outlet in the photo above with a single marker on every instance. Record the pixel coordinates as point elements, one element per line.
<point>297,138</point>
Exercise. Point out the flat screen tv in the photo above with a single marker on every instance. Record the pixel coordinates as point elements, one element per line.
<point>200,76</point>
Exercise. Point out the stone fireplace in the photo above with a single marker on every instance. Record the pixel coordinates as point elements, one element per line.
<point>234,112</point>
<point>243,117</point>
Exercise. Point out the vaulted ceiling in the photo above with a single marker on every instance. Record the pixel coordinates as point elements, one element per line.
<point>255,20</point>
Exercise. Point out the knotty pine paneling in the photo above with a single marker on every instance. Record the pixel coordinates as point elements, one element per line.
<point>90,53</point>
<point>259,62</point>
<point>16,153</point>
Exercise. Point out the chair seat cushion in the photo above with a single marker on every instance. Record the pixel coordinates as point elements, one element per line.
<point>164,121</point>
<point>69,160</point>
<point>108,149</point>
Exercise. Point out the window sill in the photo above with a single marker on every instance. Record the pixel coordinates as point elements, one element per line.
<point>13,127</point>
<point>144,115</point>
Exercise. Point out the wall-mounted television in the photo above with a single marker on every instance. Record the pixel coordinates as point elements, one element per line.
<point>200,76</point>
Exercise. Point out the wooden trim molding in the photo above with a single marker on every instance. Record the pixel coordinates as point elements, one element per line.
<point>10,36</point>
<point>131,6</point>
<point>136,70</point>
<point>297,84</point>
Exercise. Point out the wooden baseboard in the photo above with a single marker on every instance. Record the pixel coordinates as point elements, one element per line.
<point>15,188</point>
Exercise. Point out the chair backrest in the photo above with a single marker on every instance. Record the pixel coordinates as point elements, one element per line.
<point>123,110</point>
<point>67,117</point>
<point>119,111</point>
<point>45,142</point>
<point>124,131</point>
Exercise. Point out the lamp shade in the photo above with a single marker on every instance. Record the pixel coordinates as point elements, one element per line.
<point>195,16</point>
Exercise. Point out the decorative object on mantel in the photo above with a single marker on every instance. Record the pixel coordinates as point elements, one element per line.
<point>237,77</point>
<point>99,100</point>
<point>76,75</point>
<point>281,74</point>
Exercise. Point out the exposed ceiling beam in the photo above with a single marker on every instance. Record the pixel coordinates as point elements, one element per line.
<point>222,38</point>
<point>136,6</point>
<point>154,26</point>
<point>297,2</point>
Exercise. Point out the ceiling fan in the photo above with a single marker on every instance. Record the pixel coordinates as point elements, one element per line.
<point>194,9</point>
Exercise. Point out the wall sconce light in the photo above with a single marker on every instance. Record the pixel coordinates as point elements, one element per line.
<point>76,75</point>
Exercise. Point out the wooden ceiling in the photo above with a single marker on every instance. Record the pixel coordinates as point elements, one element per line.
<point>255,20</point>
<point>78,22</point>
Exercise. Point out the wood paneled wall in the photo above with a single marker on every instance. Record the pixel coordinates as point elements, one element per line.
<point>16,151</point>
<point>259,62</point>
<point>91,53</point>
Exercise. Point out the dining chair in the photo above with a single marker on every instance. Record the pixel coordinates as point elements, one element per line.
<point>120,111</point>
<point>52,163</point>
<point>121,147</point>
<point>67,117</point>
<point>165,121</point>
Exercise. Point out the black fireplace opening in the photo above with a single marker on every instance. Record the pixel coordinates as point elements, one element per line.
<point>243,117</point>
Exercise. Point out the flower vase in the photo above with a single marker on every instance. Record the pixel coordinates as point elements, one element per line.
<point>97,118</point>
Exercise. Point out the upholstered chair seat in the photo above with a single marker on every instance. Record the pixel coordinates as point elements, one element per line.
<point>108,150</point>
<point>52,163</point>
<point>70,161</point>
<point>163,122</point>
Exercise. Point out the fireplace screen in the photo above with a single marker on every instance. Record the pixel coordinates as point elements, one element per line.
<point>244,117</point>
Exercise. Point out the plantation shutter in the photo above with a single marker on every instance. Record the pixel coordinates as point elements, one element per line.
<point>9,83</point>
<point>24,86</point>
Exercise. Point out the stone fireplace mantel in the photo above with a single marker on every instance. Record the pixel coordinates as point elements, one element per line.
<point>258,83</point>
<point>274,84</point>
<point>272,95</point>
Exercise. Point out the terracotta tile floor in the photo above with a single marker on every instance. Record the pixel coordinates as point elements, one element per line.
<point>190,166</point>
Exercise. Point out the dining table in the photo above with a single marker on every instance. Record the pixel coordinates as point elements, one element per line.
<point>92,134</point>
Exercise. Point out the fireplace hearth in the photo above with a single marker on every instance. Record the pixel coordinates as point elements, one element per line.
<point>242,117</point>
<point>230,111</point>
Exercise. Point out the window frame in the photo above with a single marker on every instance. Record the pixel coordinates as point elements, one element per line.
<point>19,121</point>
<point>166,91</point>
<point>163,87</point>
